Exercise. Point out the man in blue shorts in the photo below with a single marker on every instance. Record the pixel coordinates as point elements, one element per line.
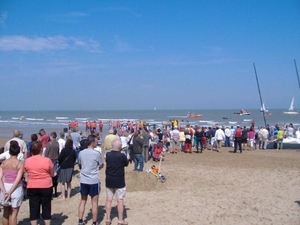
<point>89,162</point>
<point>115,180</point>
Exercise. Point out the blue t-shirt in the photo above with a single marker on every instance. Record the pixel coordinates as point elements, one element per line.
<point>89,161</point>
<point>115,175</point>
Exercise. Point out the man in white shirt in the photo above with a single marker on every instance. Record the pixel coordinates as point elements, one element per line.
<point>17,135</point>
<point>175,140</point>
<point>227,136</point>
<point>220,136</point>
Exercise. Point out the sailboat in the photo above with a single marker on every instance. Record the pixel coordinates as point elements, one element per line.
<point>265,111</point>
<point>291,109</point>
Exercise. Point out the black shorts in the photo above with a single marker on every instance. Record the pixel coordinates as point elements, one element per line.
<point>38,197</point>
<point>244,140</point>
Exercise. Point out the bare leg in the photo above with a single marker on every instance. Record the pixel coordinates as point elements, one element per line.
<point>108,208</point>
<point>120,209</point>
<point>13,216</point>
<point>62,187</point>
<point>82,206</point>
<point>95,207</point>
<point>6,213</point>
<point>69,190</point>
<point>33,222</point>
<point>47,222</point>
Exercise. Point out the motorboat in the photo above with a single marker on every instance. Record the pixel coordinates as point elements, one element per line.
<point>193,115</point>
<point>243,112</point>
<point>291,109</point>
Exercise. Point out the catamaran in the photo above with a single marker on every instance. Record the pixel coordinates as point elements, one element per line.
<point>265,111</point>
<point>291,109</point>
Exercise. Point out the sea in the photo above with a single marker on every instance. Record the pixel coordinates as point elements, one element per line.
<point>30,122</point>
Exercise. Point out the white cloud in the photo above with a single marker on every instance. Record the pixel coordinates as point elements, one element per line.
<point>39,44</point>
<point>3,17</point>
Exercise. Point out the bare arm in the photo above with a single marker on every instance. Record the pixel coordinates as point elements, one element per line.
<point>17,180</point>
<point>2,188</point>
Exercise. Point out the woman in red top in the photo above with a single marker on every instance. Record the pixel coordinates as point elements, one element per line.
<point>11,173</point>
<point>39,184</point>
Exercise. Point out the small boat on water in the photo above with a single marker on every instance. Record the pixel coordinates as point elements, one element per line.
<point>291,109</point>
<point>193,115</point>
<point>242,112</point>
<point>265,111</point>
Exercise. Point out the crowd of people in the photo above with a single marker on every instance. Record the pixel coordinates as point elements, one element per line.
<point>28,168</point>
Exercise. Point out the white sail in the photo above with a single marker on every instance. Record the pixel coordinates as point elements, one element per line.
<point>263,108</point>
<point>292,105</point>
<point>291,109</point>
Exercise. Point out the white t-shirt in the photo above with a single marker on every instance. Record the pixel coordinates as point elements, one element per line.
<point>6,155</point>
<point>61,143</point>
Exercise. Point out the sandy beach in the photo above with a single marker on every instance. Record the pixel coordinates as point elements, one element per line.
<point>259,187</point>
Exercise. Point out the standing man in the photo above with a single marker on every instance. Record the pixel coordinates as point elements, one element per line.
<point>220,136</point>
<point>263,136</point>
<point>244,138</point>
<point>44,139</point>
<point>89,162</point>
<point>76,138</point>
<point>175,142</point>
<point>17,136</point>
<point>146,142</point>
<point>238,139</point>
<point>227,136</point>
<point>108,140</point>
<point>52,148</point>
<point>115,180</point>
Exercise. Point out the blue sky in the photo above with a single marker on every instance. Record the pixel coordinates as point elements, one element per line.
<point>142,54</point>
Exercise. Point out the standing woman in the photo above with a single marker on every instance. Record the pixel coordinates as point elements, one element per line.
<point>11,173</point>
<point>40,171</point>
<point>138,151</point>
<point>66,160</point>
<point>251,136</point>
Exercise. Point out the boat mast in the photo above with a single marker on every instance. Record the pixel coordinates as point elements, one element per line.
<point>261,102</point>
<point>297,73</point>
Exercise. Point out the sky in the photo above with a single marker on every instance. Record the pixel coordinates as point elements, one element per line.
<point>113,55</point>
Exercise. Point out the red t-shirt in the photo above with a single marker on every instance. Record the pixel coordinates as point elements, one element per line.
<point>44,140</point>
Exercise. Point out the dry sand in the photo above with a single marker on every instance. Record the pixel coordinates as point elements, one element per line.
<point>260,187</point>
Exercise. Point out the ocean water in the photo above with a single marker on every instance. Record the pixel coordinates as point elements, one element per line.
<point>32,121</point>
